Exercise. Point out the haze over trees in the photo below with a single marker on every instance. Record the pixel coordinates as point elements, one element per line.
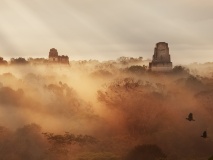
<point>113,110</point>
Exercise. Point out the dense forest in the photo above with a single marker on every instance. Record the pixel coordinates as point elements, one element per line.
<point>113,110</point>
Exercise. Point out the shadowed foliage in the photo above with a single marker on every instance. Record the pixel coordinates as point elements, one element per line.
<point>146,152</point>
<point>136,69</point>
<point>211,158</point>
<point>180,70</point>
<point>19,61</point>
<point>60,144</point>
<point>98,156</point>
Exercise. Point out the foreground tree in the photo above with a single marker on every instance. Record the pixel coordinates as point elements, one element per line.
<point>98,156</point>
<point>26,143</point>
<point>211,158</point>
<point>146,152</point>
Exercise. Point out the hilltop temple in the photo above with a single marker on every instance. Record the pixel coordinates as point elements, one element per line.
<point>55,58</point>
<point>161,59</point>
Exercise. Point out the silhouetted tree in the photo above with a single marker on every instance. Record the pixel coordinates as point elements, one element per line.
<point>211,158</point>
<point>8,96</point>
<point>136,69</point>
<point>127,60</point>
<point>101,73</point>
<point>60,143</point>
<point>180,70</point>
<point>25,143</point>
<point>98,156</point>
<point>194,83</point>
<point>146,152</point>
<point>19,60</point>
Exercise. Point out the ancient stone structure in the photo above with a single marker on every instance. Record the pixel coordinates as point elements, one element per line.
<point>53,55</point>
<point>161,59</point>
<point>63,59</point>
<point>55,58</point>
<point>2,61</point>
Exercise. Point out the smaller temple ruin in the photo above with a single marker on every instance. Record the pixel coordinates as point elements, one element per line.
<point>161,59</point>
<point>55,58</point>
<point>2,61</point>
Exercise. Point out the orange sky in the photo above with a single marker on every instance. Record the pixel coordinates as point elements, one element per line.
<point>107,29</point>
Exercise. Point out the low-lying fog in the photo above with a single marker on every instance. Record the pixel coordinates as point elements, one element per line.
<point>105,111</point>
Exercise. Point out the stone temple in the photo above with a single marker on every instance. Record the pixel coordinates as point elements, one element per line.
<point>161,59</point>
<point>55,58</point>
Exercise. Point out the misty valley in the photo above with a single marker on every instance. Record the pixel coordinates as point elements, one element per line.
<point>111,110</point>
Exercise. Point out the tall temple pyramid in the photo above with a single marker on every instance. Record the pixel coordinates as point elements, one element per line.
<point>161,59</point>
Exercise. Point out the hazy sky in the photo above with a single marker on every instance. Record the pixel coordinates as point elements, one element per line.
<point>107,29</point>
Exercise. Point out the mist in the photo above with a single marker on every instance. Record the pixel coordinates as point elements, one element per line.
<point>103,110</point>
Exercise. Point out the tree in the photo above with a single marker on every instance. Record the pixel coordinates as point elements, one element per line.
<point>98,156</point>
<point>180,70</point>
<point>59,144</point>
<point>25,143</point>
<point>211,158</point>
<point>19,60</point>
<point>137,69</point>
<point>146,152</point>
<point>194,83</point>
<point>130,98</point>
